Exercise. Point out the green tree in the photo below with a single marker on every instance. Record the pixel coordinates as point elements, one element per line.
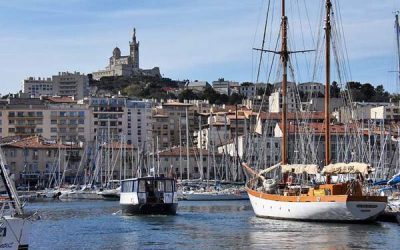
<point>187,94</point>
<point>235,98</point>
<point>335,90</point>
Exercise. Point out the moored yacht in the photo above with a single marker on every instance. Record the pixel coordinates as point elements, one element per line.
<point>149,195</point>
<point>296,193</point>
<point>344,201</point>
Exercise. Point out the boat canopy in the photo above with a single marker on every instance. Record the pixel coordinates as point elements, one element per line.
<point>380,183</point>
<point>300,168</point>
<point>347,168</point>
<point>394,180</point>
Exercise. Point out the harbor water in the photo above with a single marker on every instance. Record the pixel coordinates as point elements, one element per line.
<point>198,225</point>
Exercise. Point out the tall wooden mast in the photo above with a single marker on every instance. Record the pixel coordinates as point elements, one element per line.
<point>327,81</point>
<point>397,28</point>
<point>284,58</point>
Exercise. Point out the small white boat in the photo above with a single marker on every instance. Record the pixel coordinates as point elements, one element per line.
<point>86,193</point>
<point>110,194</point>
<point>215,195</point>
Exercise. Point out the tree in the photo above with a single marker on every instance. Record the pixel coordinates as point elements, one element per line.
<point>187,94</point>
<point>367,90</point>
<point>267,89</point>
<point>335,90</point>
<point>235,98</point>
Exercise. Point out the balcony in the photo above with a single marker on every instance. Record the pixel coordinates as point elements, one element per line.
<point>25,125</point>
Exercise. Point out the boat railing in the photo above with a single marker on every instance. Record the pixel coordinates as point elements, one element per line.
<point>7,207</point>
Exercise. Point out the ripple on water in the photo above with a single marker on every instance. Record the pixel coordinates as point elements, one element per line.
<point>198,225</point>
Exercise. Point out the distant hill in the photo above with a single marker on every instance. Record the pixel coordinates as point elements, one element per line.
<point>138,86</point>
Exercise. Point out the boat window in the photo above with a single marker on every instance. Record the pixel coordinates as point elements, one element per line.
<point>127,186</point>
<point>168,186</point>
<point>135,186</point>
<point>142,186</point>
<point>160,186</point>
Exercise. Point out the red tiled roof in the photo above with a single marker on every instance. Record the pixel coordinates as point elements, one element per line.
<point>37,142</point>
<point>60,99</point>
<point>176,151</point>
<point>319,128</point>
<point>293,116</point>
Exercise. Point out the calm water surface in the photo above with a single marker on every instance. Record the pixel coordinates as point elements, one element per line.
<point>198,225</point>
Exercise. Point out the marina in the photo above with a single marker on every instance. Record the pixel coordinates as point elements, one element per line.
<point>302,156</point>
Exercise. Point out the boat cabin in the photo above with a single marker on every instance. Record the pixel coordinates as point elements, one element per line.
<point>150,189</point>
<point>148,195</point>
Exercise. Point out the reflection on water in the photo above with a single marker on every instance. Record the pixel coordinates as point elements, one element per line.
<point>289,234</point>
<point>198,225</point>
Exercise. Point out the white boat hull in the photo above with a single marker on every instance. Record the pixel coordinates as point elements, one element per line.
<point>214,196</point>
<point>14,232</point>
<point>80,195</point>
<point>317,211</point>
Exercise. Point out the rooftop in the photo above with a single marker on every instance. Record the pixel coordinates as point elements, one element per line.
<point>37,142</point>
<point>177,151</point>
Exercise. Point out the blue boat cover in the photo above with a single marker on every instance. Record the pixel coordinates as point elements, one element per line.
<point>395,179</point>
<point>380,183</point>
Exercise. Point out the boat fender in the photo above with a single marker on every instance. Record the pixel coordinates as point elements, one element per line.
<point>57,195</point>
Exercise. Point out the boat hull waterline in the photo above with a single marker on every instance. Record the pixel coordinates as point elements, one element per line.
<point>344,209</point>
<point>146,209</point>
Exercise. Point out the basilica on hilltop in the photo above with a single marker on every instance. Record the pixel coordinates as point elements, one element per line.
<point>126,65</point>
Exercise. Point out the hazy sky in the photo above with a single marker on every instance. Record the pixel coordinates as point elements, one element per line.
<point>187,39</point>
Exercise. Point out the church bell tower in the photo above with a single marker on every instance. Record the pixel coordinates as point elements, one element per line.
<point>134,50</point>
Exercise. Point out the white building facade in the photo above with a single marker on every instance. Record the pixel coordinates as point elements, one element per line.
<point>37,87</point>
<point>139,123</point>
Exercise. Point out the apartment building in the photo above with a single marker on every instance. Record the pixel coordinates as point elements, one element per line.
<point>216,132</point>
<point>109,120</point>
<point>223,86</point>
<point>139,123</point>
<point>388,113</point>
<point>54,118</point>
<point>34,160</point>
<point>275,99</point>
<point>174,161</point>
<point>169,127</point>
<point>71,84</point>
<point>314,89</point>
<point>64,84</point>
<point>37,87</point>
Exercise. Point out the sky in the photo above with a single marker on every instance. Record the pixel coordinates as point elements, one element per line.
<point>196,39</point>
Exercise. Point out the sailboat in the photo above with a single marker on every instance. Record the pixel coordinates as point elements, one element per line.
<point>14,223</point>
<point>391,187</point>
<point>203,191</point>
<point>326,201</point>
